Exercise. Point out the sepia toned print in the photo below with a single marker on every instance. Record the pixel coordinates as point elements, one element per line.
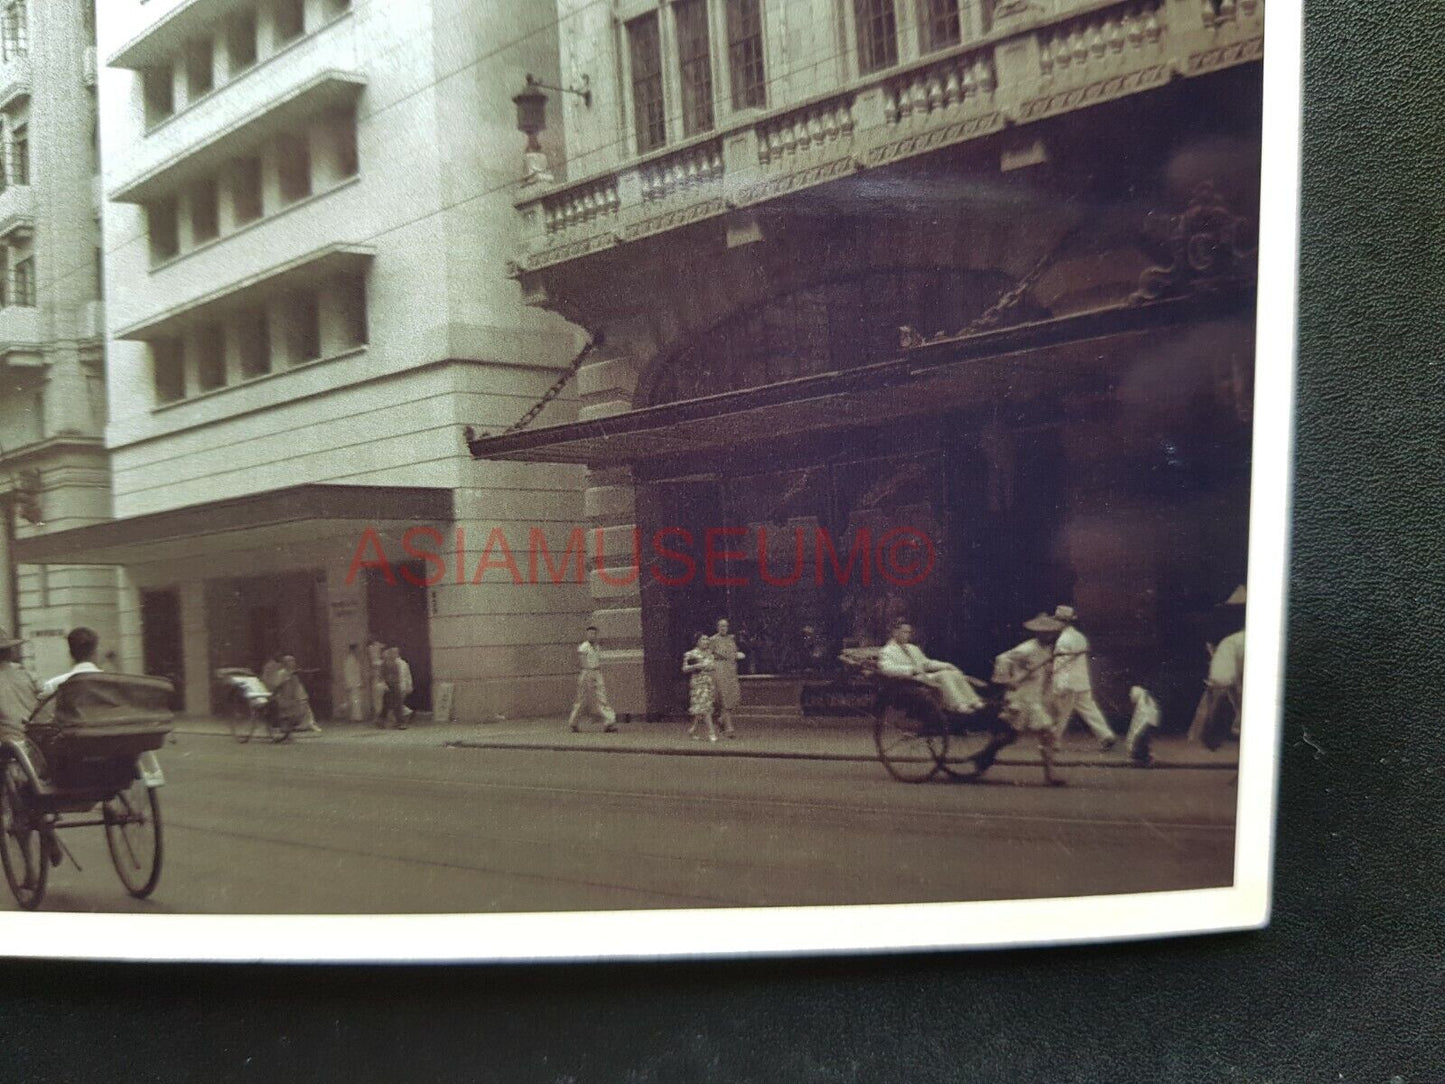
<point>627,455</point>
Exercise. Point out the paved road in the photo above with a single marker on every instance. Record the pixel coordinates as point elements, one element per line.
<point>325,827</point>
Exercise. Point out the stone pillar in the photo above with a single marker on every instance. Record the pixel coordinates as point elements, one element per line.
<point>195,648</point>
<point>611,507</point>
<point>8,571</point>
<point>67,396</point>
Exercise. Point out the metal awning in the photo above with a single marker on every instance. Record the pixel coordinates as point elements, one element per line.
<point>939,375</point>
<point>276,517</point>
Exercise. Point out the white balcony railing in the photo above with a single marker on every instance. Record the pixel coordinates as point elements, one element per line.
<point>1029,67</point>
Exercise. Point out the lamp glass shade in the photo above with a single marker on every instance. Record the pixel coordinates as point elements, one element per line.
<point>531,114</point>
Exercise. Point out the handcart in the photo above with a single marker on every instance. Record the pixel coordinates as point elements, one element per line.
<point>86,759</point>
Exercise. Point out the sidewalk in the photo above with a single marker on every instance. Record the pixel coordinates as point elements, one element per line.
<point>795,740</point>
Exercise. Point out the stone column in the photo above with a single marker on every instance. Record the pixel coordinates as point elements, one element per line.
<point>611,507</point>
<point>195,648</point>
<point>8,616</point>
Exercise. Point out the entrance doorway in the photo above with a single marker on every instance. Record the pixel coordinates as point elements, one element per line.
<point>399,615</point>
<point>251,619</point>
<point>162,648</point>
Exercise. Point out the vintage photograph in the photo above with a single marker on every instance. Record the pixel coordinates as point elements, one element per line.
<point>539,457</point>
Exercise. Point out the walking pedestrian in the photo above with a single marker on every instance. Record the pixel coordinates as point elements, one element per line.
<point>293,703</point>
<point>392,702</point>
<point>725,656</point>
<point>1027,672</point>
<point>351,679</point>
<point>374,651</point>
<point>1142,725</point>
<point>1220,707</point>
<point>19,693</point>
<point>591,689</point>
<point>404,669</point>
<point>701,689</point>
<point>1073,690</point>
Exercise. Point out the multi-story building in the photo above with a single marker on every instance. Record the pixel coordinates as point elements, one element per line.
<point>308,213</point>
<point>53,474</point>
<point>975,270</point>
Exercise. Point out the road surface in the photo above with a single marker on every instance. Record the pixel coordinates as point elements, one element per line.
<point>337,827</point>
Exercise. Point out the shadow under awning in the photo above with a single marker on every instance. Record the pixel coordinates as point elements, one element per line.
<point>937,375</point>
<point>276,517</point>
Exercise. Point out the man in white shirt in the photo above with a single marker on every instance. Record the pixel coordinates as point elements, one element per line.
<point>1073,691</point>
<point>591,689</point>
<point>83,644</point>
<point>1029,706</point>
<point>902,658</point>
<point>404,670</point>
<point>1219,707</point>
<point>351,680</point>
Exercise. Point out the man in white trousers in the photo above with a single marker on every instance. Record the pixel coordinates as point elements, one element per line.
<point>591,689</point>
<point>1073,690</point>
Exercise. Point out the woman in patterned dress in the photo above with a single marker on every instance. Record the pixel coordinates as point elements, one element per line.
<point>725,655</point>
<point>702,691</point>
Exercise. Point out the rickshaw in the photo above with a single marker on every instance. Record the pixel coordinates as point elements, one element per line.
<point>248,704</point>
<point>86,759</point>
<point>915,737</point>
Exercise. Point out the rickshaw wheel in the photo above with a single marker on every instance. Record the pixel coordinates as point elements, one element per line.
<point>972,754</point>
<point>22,842</point>
<point>911,748</point>
<point>133,834</point>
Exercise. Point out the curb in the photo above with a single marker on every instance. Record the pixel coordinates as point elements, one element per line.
<point>787,754</point>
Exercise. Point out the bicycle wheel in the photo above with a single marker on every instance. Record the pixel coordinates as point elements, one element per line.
<point>243,719</point>
<point>133,834</point>
<point>23,841</point>
<point>910,748</point>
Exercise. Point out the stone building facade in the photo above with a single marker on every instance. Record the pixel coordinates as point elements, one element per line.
<point>53,470</point>
<point>980,271</point>
<point>308,211</point>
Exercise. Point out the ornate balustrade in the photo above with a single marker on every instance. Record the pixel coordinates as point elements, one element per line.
<point>1032,65</point>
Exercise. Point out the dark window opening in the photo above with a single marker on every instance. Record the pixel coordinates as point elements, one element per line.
<point>694,51</point>
<point>877,35</point>
<point>168,360</point>
<point>253,339</point>
<point>745,54</point>
<point>200,68</point>
<point>205,211</point>
<point>941,26</point>
<point>353,311</point>
<point>290,20</point>
<point>303,328</point>
<point>645,52</point>
<point>241,41</point>
<point>246,202</point>
<point>160,94</point>
<point>20,154</point>
<point>295,158</point>
<point>211,358</point>
<point>164,226</point>
<point>23,289</point>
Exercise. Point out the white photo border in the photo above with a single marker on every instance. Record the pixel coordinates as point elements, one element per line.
<point>771,931</point>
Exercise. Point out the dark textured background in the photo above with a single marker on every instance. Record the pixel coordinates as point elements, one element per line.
<point>1346,985</point>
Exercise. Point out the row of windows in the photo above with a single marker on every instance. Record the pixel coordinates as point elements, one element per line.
<point>651,53</point>
<point>17,277</point>
<point>299,327</point>
<point>14,31</point>
<point>291,167</point>
<point>237,45</point>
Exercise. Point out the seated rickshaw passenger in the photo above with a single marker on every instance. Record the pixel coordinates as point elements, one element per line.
<point>902,658</point>
<point>83,643</point>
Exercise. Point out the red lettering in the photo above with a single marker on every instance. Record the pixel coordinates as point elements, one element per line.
<point>461,555</point>
<point>672,555</point>
<point>370,536</point>
<point>430,558</point>
<point>635,564</point>
<point>537,542</point>
<point>711,556</point>
<point>824,540</point>
<point>494,540</point>
<point>797,573</point>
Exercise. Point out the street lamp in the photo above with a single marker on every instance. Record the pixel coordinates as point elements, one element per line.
<point>531,106</point>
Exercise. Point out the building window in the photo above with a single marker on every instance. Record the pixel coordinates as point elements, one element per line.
<point>20,154</point>
<point>303,328</point>
<point>246,203</point>
<point>14,33</point>
<point>99,273</point>
<point>4,275</point>
<point>200,68</point>
<point>23,290</point>
<point>877,35</point>
<point>745,54</point>
<point>295,159</point>
<point>205,211</point>
<point>253,340</point>
<point>241,41</point>
<point>160,94</point>
<point>333,8</point>
<point>694,54</point>
<point>353,311</point>
<point>168,362</point>
<point>941,27</point>
<point>645,54</point>
<point>289,20</point>
<point>211,357</point>
<point>163,223</point>
<point>340,128</point>
<point>94,134</point>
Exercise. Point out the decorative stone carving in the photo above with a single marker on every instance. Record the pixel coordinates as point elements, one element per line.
<point>1200,250</point>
